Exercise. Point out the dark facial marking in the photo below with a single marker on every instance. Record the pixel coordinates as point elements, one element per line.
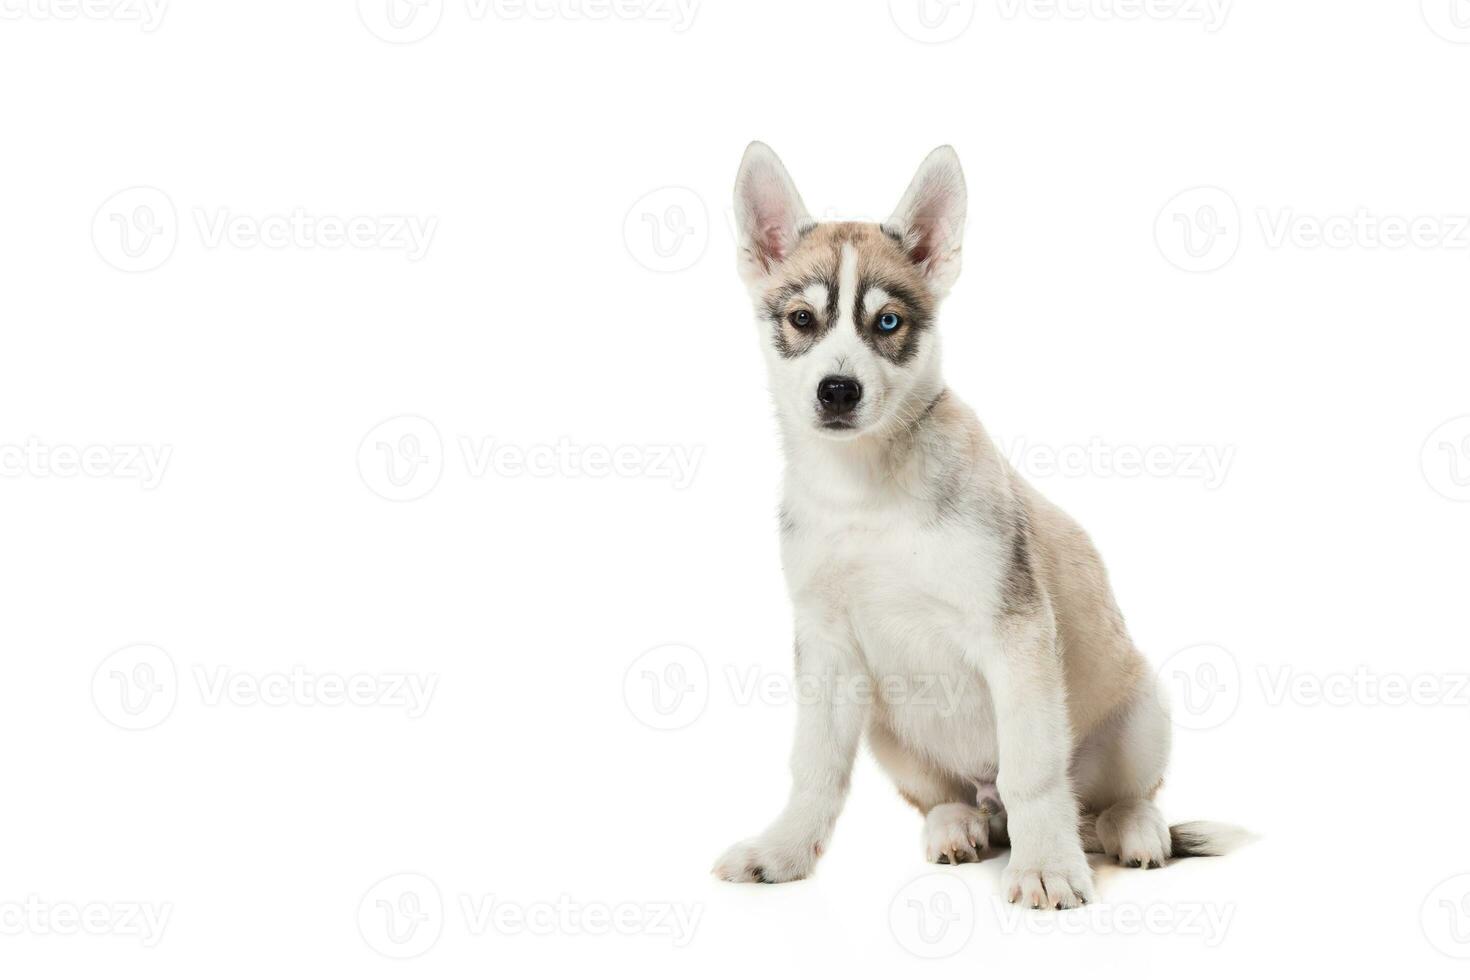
<point>900,345</point>
<point>883,262</point>
<point>788,339</point>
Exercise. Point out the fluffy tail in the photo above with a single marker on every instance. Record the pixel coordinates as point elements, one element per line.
<point>1204,838</point>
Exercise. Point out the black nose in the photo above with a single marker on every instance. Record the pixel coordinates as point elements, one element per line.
<point>839,395</point>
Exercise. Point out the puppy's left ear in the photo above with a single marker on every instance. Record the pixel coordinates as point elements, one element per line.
<point>931,218</point>
<point>769,215</point>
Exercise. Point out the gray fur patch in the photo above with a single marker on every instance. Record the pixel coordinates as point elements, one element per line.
<point>1020,593</point>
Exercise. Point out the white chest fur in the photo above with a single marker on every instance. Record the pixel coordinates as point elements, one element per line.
<point>913,593</point>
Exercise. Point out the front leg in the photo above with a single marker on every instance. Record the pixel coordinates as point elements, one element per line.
<point>831,713</point>
<point>1023,667</point>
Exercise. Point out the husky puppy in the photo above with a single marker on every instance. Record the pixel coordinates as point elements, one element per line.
<point>913,552</point>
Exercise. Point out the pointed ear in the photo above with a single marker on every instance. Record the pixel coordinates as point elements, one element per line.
<point>769,215</point>
<point>931,218</point>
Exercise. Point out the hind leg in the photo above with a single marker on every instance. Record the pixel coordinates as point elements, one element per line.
<point>1117,770</point>
<point>956,829</point>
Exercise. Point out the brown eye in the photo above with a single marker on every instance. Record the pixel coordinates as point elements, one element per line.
<point>800,319</point>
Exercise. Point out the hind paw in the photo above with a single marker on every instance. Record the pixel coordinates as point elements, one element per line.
<point>955,833</point>
<point>1134,834</point>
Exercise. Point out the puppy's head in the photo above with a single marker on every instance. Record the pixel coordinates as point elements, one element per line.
<point>847,308</point>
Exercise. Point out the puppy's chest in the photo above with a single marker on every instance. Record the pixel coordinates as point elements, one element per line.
<point>902,582</point>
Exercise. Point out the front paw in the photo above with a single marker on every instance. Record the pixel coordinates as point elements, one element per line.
<point>1048,881</point>
<point>766,860</point>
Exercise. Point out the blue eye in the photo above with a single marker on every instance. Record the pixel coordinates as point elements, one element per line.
<point>889,322</point>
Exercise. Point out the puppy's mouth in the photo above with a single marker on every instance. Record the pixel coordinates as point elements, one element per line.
<point>840,429</point>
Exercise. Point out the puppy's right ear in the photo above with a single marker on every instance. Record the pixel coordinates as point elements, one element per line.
<point>769,215</point>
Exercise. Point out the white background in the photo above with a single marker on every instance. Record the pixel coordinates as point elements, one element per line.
<point>1330,550</point>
